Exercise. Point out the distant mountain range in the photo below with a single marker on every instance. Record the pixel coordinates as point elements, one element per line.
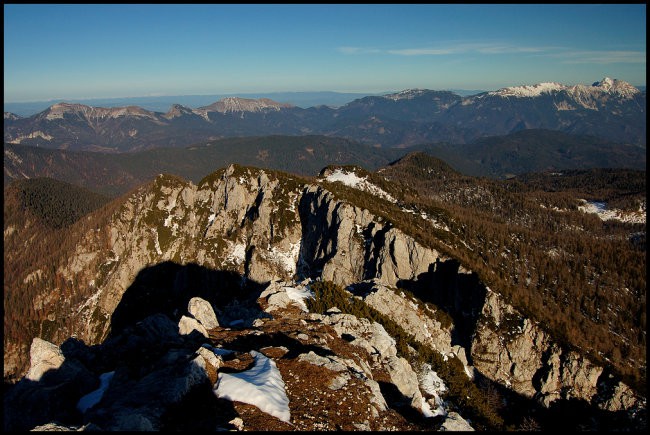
<point>162,103</point>
<point>609,109</point>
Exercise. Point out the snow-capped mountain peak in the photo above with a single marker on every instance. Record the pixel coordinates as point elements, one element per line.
<point>606,85</point>
<point>529,90</point>
<point>614,86</point>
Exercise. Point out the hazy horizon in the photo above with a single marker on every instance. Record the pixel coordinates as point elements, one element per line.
<point>162,103</point>
<point>101,51</point>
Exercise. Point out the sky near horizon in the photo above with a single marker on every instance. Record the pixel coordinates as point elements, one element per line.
<point>122,50</point>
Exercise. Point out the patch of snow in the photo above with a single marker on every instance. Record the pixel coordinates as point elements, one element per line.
<point>261,386</point>
<point>12,156</point>
<point>287,259</point>
<point>33,276</point>
<point>218,350</point>
<point>237,252</point>
<point>92,398</point>
<point>155,239</point>
<point>91,300</point>
<point>425,216</point>
<point>299,294</point>
<point>426,409</point>
<point>353,180</point>
<point>292,203</point>
<point>600,209</point>
<point>431,384</point>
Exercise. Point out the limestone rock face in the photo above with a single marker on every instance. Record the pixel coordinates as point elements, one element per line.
<point>44,356</point>
<point>402,258</point>
<point>203,312</point>
<point>405,379</point>
<point>373,338</point>
<point>410,316</point>
<point>346,244</point>
<point>515,352</point>
<point>622,397</point>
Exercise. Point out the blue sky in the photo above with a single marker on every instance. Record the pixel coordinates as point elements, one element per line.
<point>104,51</point>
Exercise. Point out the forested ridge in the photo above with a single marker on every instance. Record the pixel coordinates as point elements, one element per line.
<point>44,221</point>
<point>583,279</point>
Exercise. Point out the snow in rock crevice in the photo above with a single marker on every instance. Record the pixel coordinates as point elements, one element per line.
<point>92,398</point>
<point>237,252</point>
<point>431,384</point>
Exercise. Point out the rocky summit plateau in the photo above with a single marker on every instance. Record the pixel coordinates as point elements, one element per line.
<point>261,300</point>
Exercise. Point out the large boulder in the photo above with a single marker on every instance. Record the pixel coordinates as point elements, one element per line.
<point>187,325</point>
<point>44,356</point>
<point>454,422</point>
<point>202,311</point>
<point>50,393</point>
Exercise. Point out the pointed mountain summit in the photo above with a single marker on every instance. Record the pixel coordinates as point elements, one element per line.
<point>614,86</point>
<point>178,110</point>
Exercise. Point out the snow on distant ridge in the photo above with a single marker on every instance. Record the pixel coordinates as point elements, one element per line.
<point>353,180</point>
<point>407,94</point>
<point>606,85</point>
<point>529,90</point>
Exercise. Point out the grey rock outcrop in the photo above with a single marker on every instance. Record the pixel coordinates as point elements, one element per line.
<point>373,338</point>
<point>187,324</point>
<point>366,334</point>
<point>517,353</point>
<point>405,379</point>
<point>415,318</point>
<point>202,311</point>
<point>44,356</point>
<point>51,394</point>
<point>137,401</point>
<point>454,422</point>
<point>346,244</point>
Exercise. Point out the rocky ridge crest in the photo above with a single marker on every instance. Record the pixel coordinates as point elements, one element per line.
<point>267,228</point>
